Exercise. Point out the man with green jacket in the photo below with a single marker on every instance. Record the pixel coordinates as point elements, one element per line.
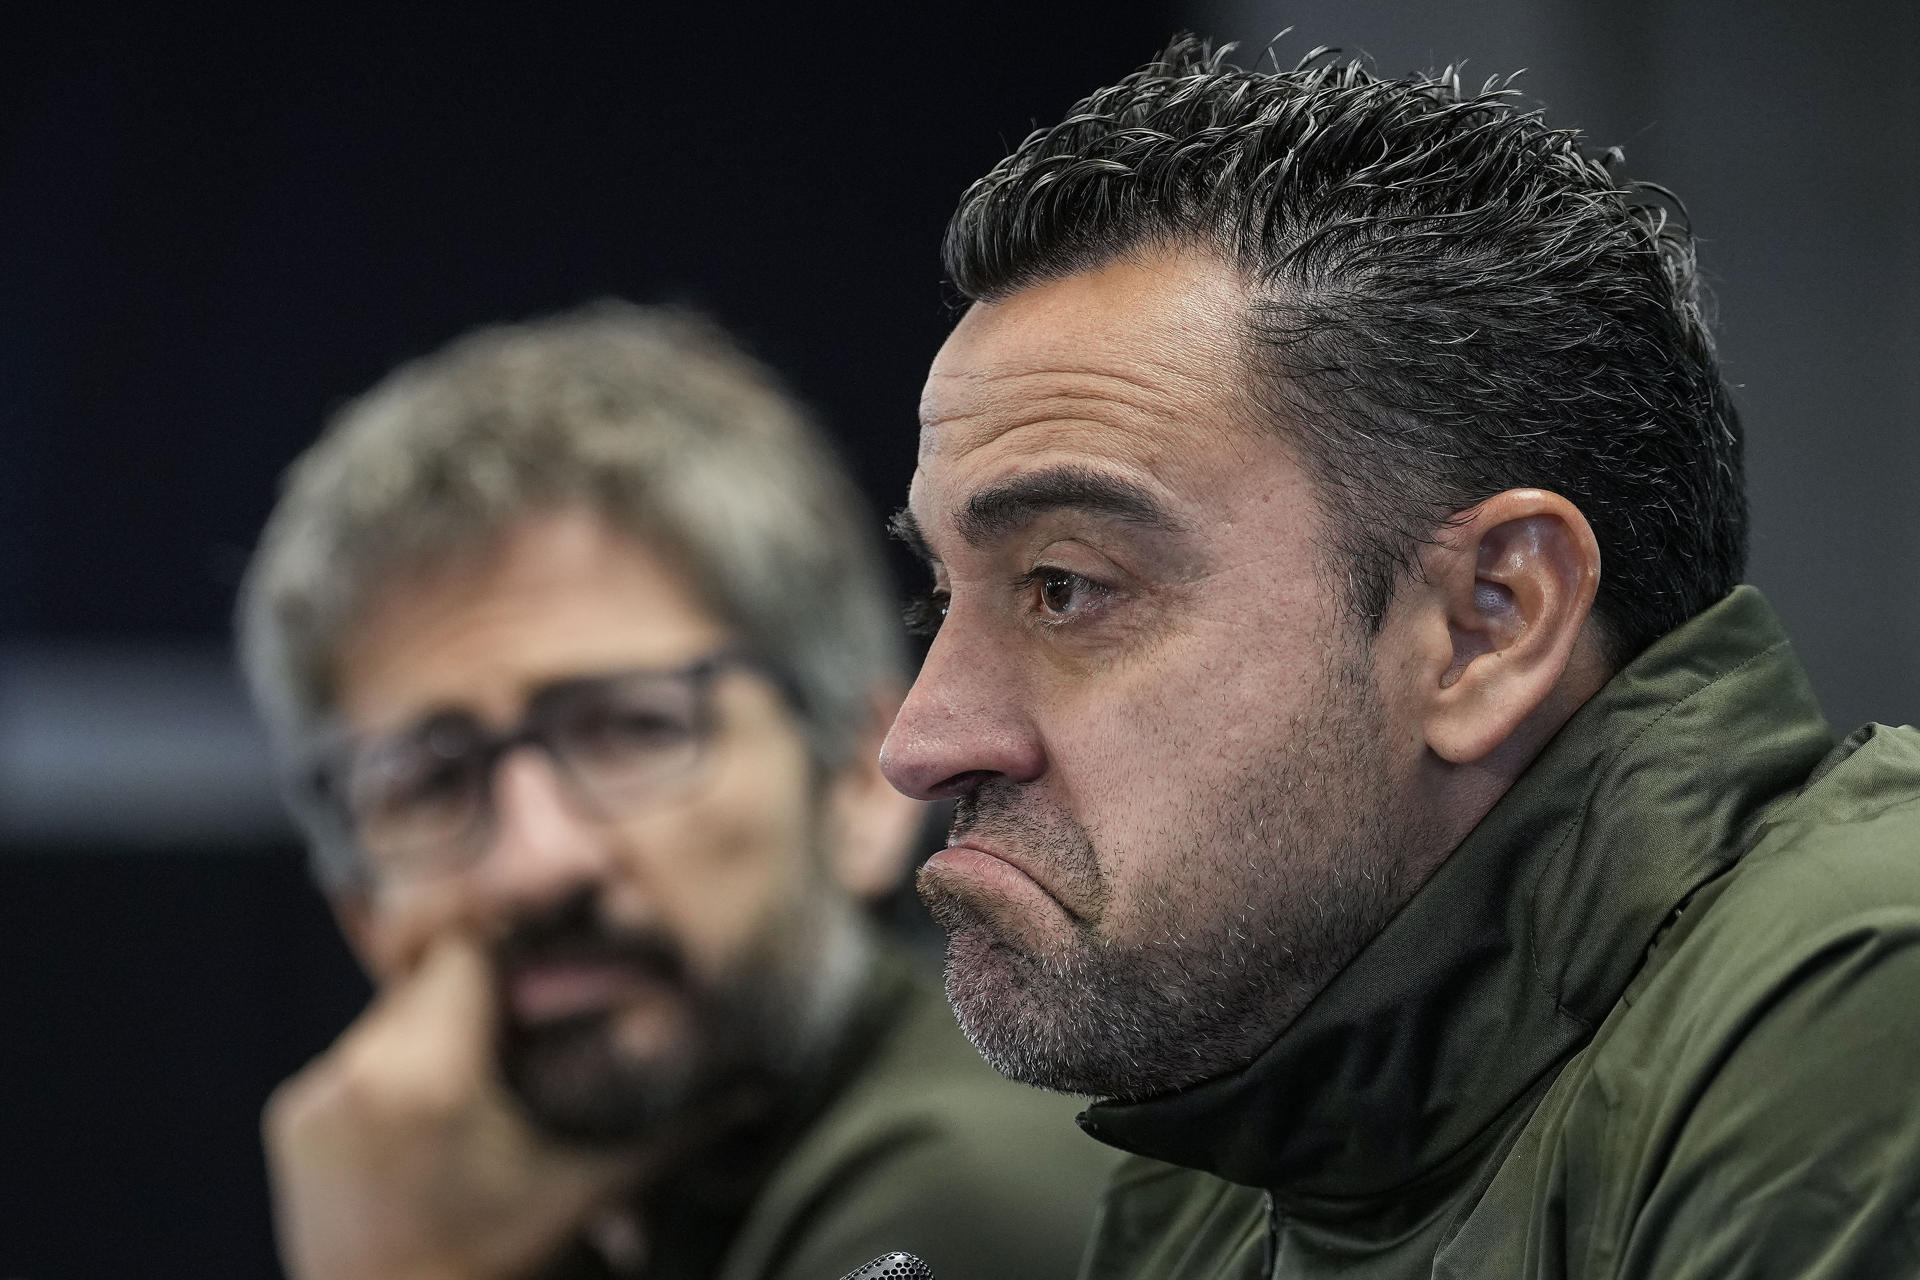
<point>1373,787</point>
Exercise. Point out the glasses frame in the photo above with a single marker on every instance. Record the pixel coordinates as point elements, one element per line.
<point>321,792</point>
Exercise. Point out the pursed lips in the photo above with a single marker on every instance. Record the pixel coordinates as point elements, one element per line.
<point>1017,863</point>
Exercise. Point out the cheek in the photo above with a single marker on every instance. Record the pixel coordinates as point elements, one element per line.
<point>1161,771</point>
<point>731,860</point>
<point>393,927</point>
<point>1159,740</point>
<point>1244,654</point>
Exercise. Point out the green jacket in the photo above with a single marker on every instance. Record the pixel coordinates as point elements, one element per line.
<point>1658,1016</point>
<point>910,1142</point>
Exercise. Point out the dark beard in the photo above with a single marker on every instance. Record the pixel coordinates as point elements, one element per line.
<point>746,1036</point>
<point>1257,908</point>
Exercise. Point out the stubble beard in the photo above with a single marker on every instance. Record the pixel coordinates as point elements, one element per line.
<point>1267,886</point>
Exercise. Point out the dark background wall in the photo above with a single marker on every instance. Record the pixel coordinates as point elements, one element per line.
<point>216,225</point>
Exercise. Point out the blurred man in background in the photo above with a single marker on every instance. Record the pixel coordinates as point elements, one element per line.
<point>1373,784</point>
<point>576,644</point>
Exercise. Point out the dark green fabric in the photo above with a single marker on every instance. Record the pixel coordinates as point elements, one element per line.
<point>930,1151</point>
<point>913,1143</point>
<point>1658,1016</point>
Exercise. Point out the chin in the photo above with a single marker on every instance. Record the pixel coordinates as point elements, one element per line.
<point>1009,1001</point>
<point>579,1084</point>
<point>1095,1018</point>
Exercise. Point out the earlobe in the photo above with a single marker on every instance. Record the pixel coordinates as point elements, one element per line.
<point>1515,578</point>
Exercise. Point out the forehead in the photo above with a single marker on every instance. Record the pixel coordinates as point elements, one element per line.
<point>1140,361</point>
<point>559,595</point>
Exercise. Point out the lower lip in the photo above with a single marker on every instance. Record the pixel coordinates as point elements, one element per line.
<point>548,993</point>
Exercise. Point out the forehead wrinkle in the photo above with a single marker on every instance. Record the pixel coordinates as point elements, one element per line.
<point>986,397</point>
<point>1104,427</point>
<point>994,384</point>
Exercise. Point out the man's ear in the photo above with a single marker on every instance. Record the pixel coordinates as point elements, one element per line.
<point>1508,590</point>
<point>870,826</point>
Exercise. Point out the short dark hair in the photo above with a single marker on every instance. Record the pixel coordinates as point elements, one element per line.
<point>1452,299</point>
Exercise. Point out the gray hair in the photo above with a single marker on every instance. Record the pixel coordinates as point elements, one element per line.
<point>651,419</point>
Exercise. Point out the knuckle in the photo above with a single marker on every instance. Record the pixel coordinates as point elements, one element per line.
<point>379,1090</point>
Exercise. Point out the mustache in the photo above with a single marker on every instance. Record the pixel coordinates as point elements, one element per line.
<point>991,808</point>
<point>1007,810</point>
<point>576,931</point>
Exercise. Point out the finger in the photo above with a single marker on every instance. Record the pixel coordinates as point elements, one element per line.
<point>411,918</point>
<point>449,1005</point>
<point>434,1026</point>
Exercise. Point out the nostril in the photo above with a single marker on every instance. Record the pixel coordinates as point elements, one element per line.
<point>960,785</point>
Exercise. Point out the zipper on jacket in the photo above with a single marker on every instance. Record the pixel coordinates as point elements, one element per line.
<point>1270,1264</point>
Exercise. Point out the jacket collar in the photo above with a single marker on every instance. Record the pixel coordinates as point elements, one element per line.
<point>1503,963</point>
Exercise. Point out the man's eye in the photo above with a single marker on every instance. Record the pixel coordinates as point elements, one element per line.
<point>614,732</point>
<point>1062,594</point>
<point>409,787</point>
<point>925,613</point>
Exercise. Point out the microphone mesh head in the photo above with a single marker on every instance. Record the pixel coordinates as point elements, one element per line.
<point>892,1266</point>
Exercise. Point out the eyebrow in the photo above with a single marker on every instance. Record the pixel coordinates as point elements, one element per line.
<point>995,512</point>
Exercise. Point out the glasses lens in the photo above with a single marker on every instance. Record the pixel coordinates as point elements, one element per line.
<point>415,797</point>
<point>624,738</point>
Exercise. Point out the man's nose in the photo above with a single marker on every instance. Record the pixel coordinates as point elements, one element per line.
<point>963,723</point>
<point>545,845</point>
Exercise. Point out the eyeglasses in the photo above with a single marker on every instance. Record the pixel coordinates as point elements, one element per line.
<point>420,803</point>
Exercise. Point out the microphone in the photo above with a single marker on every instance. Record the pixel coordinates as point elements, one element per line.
<point>892,1266</point>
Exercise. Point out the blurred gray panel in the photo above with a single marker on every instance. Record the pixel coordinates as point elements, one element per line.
<point>1793,134</point>
<point>130,747</point>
